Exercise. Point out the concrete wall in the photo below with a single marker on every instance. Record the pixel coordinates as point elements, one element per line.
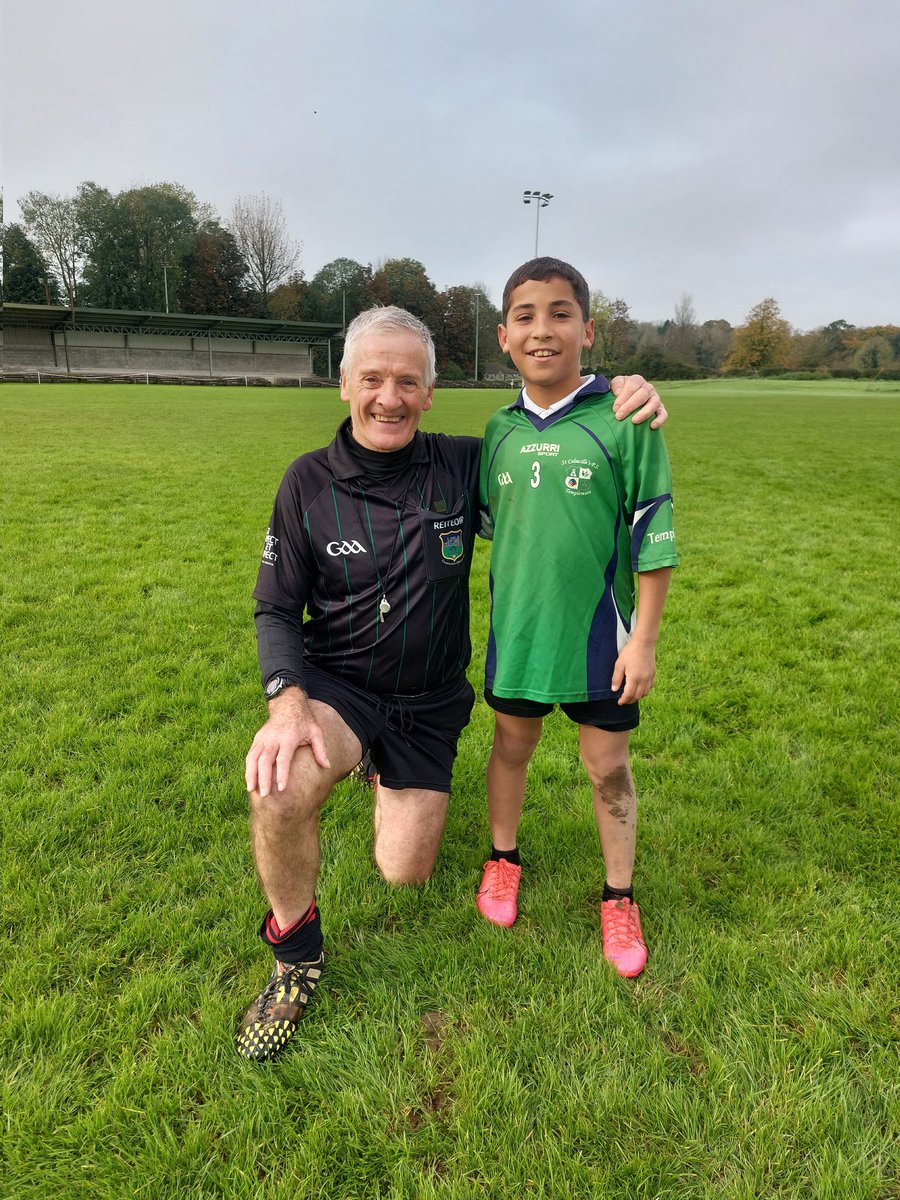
<point>39,349</point>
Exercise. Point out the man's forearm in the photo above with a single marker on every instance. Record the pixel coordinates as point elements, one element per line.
<point>279,643</point>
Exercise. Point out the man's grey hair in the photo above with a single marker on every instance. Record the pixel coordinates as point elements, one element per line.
<point>389,319</point>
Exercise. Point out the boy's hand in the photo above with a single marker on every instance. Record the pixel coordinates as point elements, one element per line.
<point>633,392</point>
<point>636,668</point>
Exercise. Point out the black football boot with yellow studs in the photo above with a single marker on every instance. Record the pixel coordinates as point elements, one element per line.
<point>271,1020</point>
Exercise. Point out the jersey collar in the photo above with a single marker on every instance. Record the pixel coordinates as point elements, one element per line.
<point>598,386</point>
<point>344,466</point>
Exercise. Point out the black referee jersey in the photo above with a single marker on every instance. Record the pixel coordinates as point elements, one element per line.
<point>381,567</point>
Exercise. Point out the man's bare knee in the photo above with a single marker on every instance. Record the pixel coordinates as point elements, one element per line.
<point>408,828</point>
<point>284,808</point>
<point>398,877</point>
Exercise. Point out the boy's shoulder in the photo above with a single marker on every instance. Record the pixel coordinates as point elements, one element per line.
<point>506,415</point>
<point>596,410</point>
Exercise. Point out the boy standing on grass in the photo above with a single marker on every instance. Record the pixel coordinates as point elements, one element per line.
<point>578,502</point>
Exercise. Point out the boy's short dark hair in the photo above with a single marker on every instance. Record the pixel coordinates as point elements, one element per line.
<point>543,269</point>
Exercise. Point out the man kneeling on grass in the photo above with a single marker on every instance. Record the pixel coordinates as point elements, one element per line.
<point>372,537</point>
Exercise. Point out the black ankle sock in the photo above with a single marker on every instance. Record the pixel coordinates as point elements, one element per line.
<point>511,856</point>
<point>300,942</point>
<point>611,893</point>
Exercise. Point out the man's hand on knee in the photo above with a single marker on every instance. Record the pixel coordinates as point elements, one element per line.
<point>290,726</point>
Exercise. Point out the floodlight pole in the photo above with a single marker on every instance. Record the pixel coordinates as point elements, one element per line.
<point>166,285</point>
<point>540,200</point>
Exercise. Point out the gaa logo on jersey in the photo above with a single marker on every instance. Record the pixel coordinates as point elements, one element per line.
<point>579,479</point>
<point>451,545</point>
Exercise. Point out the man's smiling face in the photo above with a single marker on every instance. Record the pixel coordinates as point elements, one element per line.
<point>385,388</point>
<point>544,334</point>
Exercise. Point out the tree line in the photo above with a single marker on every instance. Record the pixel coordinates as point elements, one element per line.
<point>158,248</point>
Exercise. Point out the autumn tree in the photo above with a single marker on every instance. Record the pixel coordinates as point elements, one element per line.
<point>764,340</point>
<point>51,221</point>
<point>26,276</point>
<point>269,251</point>
<point>288,301</point>
<point>807,350</point>
<point>713,343</point>
<point>613,334</point>
<point>681,336</point>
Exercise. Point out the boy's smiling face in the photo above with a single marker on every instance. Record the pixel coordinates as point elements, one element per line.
<point>544,335</point>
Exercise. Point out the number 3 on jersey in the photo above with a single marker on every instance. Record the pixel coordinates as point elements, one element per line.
<point>535,474</point>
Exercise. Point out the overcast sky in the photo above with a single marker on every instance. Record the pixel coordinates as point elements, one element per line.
<point>727,149</point>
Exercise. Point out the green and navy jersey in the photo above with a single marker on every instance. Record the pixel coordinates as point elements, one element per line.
<point>339,541</point>
<point>578,501</point>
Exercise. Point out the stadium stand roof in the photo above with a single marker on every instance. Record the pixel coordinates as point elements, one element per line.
<point>99,320</point>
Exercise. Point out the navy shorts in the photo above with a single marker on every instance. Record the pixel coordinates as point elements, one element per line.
<point>412,739</point>
<point>609,715</point>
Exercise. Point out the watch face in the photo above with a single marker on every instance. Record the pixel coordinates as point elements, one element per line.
<point>274,686</point>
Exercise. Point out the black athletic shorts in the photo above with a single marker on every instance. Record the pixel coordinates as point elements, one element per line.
<point>412,739</point>
<point>602,714</point>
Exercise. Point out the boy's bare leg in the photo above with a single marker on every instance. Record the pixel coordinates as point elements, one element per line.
<point>284,826</point>
<point>606,760</point>
<point>514,741</point>
<point>409,824</point>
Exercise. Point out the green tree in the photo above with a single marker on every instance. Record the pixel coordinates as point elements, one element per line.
<point>455,333</point>
<point>135,243</point>
<point>26,277</point>
<point>763,342</point>
<point>648,360</point>
<point>108,248</point>
<point>837,336</point>
<point>874,353</point>
<point>339,291</point>
<point>213,276</point>
<point>405,282</point>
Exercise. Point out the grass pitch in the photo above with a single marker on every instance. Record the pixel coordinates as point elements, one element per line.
<point>757,1055</point>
